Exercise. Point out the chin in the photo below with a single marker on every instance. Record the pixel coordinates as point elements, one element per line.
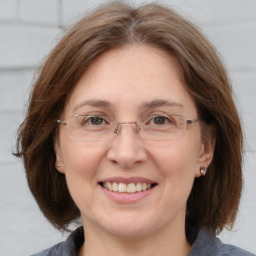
<point>128,232</point>
<point>125,226</point>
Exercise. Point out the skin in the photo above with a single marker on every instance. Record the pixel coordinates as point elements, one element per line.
<point>127,78</point>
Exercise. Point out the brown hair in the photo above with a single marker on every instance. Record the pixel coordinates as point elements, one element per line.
<point>214,199</point>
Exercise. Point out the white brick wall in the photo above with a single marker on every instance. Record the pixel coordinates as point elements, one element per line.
<point>39,12</point>
<point>8,10</point>
<point>23,46</point>
<point>30,28</point>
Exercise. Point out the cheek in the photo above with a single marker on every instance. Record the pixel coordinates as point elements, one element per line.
<point>81,163</point>
<point>175,158</point>
<point>177,164</point>
<point>80,158</point>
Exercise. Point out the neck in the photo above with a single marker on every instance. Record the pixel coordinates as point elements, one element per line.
<point>162,243</point>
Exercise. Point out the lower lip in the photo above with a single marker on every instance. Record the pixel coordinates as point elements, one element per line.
<point>127,198</point>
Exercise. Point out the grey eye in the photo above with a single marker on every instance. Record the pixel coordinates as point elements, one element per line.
<point>96,120</point>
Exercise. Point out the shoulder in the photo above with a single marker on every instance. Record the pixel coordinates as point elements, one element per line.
<point>230,250</point>
<point>53,251</point>
<point>69,247</point>
<point>207,244</point>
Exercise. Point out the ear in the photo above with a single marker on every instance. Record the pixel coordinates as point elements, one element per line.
<point>207,149</point>
<point>59,161</point>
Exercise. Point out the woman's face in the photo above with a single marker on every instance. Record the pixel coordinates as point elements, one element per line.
<point>126,84</point>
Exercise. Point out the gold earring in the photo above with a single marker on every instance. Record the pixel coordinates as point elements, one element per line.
<point>203,170</point>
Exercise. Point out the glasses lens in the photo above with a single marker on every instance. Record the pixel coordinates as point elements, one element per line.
<point>154,127</point>
<point>162,127</point>
<point>91,128</point>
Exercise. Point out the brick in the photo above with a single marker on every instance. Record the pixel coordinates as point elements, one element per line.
<point>236,43</point>
<point>200,11</point>
<point>231,34</point>
<point>234,34</point>
<point>8,9</point>
<point>21,217</point>
<point>9,125</point>
<point>245,225</point>
<point>249,125</point>
<point>25,46</point>
<point>245,91</point>
<point>213,12</point>
<point>244,88</point>
<point>14,93</point>
<point>14,90</point>
<point>73,10</point>
<point>39,11</point>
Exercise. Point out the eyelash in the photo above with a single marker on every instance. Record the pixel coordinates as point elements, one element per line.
<point>151,113</point>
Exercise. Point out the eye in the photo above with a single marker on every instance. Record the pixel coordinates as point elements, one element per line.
<point>94,121</point>
<point>160,120</point>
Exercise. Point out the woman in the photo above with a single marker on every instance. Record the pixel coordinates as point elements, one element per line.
<point>132,127</point>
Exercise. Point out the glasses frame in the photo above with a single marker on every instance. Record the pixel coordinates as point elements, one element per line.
<point>116,130</point>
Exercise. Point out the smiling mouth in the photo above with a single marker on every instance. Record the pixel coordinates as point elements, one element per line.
<point>127,188</point>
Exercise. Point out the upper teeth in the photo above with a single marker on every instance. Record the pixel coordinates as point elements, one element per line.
<point>129,188</point>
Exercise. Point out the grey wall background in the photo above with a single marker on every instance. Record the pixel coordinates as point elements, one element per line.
<point>30,28</point>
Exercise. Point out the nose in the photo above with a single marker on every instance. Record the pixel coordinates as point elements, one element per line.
<point>127,149</point>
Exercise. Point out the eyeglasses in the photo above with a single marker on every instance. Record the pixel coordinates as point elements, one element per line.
<point>151,127</point>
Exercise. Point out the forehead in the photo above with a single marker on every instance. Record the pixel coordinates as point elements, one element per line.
<point>133,75</point>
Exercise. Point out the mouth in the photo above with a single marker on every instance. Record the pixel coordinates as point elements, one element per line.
<point>127,190</point>
<point>121,187</point>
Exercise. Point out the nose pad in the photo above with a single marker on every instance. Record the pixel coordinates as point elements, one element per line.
<point>126,150</point>
<point>117,129</point>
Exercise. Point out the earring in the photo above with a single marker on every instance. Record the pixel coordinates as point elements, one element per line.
<point>203,170</point>
<point>58,165</point>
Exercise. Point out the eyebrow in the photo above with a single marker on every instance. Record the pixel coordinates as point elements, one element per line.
<point>161,103</point>
<point>93,103</point>
<point>147,105</point>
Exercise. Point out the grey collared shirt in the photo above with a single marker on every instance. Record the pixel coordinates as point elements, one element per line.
<point>205,244</point>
